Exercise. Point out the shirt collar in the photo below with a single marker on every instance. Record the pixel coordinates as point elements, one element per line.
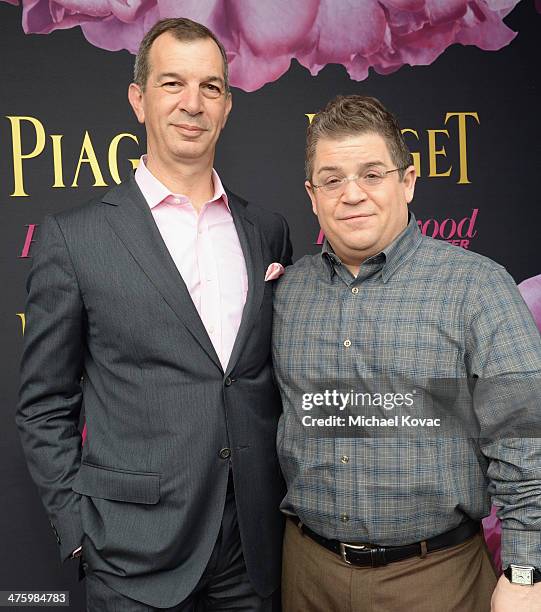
<point>390,258</point>
<point>155,192</point>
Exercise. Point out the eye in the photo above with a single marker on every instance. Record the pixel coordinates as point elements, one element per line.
<point>211,90</point>
<point>373,176</point>
<point>172,86</point>
<point>332,181</point>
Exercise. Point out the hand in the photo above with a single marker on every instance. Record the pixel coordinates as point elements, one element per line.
<point>509,597</point>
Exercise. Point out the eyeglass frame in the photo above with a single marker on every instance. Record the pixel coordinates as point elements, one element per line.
<point>345,180</point>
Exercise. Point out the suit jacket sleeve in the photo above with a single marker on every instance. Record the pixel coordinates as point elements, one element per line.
<point>50,396</point>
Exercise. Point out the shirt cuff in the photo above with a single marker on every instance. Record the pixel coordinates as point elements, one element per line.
<point>521,547</point>
<point>77,550</point>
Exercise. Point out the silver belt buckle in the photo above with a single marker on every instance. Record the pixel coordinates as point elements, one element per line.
<point>354,547</point>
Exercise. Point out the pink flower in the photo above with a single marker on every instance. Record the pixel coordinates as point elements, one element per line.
<point>493,533</point>
<point>261,38</point>
<point>44,16</point>
<point>531,292</point>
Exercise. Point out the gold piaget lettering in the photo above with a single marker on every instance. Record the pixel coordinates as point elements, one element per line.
<point>57,160</point>
<point>113,156</point>
<point>463,156</point>
<point>434,141</point>
<point>88,156</point>
<point>18,155</point>
<point>29,139</point>
<point>433,153</point>
<point>23,321</point>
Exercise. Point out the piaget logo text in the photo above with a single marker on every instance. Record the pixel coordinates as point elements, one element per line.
<point>29,141</point>
<point>435,146</point>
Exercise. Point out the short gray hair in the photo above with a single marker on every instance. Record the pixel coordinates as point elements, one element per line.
<point>184,30</point>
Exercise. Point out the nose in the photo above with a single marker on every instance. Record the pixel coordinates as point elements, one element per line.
<point>190,100</point>
<point>353,193</point>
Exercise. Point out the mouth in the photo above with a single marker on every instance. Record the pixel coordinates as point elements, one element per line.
<point>356,217</point>
<point>190,129</point>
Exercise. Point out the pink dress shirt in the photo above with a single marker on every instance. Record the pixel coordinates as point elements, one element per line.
<point>206,250</point>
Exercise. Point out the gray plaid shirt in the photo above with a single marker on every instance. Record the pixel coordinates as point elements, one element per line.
<point>420,308</point>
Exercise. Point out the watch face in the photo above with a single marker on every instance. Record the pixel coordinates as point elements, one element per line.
<point>521,575</point>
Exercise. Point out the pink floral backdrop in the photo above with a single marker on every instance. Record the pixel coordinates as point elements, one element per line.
<point>261,39</point>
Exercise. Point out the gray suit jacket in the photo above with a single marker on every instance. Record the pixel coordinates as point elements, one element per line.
<point>111,327</point>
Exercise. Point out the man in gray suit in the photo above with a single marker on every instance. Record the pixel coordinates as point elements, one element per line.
<point>149,306</point>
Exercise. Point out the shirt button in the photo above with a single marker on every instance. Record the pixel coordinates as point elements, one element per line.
<point>344,518</point>
<point>344,459</point>
<point>347,343</point>
<point>355,290</point>
<point>225,453</point>
<point>176,200</point>
<point>228,382</point>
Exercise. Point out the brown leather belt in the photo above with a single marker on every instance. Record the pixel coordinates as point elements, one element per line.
<point>371,555</point>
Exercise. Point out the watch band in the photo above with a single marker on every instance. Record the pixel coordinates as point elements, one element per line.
<point>522,574</point>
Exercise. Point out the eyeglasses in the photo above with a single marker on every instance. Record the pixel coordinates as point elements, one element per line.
<point>366,180</point>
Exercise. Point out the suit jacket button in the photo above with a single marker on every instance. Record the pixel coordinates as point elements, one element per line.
<point>225,453</point>
<point>228,382</point>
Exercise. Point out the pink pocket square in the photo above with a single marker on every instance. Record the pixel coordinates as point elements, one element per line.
<point>274,271</point>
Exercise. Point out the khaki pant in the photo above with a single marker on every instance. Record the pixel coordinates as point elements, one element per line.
<point>456,579</point>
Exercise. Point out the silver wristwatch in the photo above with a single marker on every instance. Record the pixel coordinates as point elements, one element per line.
<point>522,574</point>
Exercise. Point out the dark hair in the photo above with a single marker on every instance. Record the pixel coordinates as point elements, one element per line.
<point>348,115</point>
<point>182,29</point>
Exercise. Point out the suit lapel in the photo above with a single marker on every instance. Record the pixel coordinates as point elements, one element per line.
<point>131,219</point>
<point>250,242</point>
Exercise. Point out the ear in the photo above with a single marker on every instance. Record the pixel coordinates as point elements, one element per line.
<point>135,97</point>
<point>311,194</point>
<point>410,176</point>
<point>228,107</point>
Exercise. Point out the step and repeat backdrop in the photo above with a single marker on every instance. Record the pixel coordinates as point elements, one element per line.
<point>462,76</point>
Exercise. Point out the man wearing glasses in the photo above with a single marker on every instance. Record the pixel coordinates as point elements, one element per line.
<point>392,522</point>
